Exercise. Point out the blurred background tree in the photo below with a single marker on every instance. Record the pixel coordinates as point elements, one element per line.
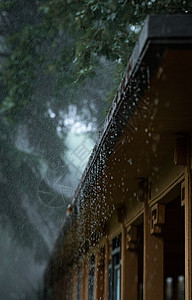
<point>38,94</point>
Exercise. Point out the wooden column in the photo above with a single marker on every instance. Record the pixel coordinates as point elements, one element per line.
<point>188,228</point>
<point>121,212</point>
<point>123,263</point>
<point>74,287</point>
<point>129,269</point>
<point>153,281</point>
<point>86,280</point>
<point>96,276</point>
<point>106,270</point>
<point>99,275</point>
<point>131,283</point>
<point>131,264</point>
<point>82,282</point>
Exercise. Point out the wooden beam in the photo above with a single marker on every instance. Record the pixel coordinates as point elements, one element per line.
<point>157,218</point>
<point>131,237</point>
<point>153,277</point>
<point>142,188</point>
<point>180,155</point>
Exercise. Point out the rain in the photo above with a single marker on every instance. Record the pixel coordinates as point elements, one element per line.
<point>79,117</point>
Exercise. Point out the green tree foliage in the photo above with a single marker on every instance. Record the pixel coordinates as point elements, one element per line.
<point>28,138</point>
<point>34,82</point>
<point>68,37</point>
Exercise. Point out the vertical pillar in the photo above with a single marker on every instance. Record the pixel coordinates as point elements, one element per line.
<point>129,269</point>
<point>131,264</point>
<point>82,282</point>
<point>67,291</point>
<point>106,270</point>
<point>86,280</point>
<point>74,287</point>
<point>153,281</point>
<point>131,283</point>
<point>99,275</point>
<point>188,227</point>
<point>121,211</point>
<point>123,263</point>
<point>96,276</point>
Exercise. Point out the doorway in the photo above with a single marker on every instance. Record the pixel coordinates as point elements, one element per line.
<point>174,251</point>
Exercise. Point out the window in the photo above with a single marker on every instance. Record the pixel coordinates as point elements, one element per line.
<point>115,270</point>
<point>91,279</point>
<point>140,260</point>
<point>174,250</point>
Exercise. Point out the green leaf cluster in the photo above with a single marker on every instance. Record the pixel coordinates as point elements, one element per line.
<point>80,32</point>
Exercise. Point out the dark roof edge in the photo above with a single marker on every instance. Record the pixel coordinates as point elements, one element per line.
<point>100,141</point>
<point>161,28</point>
<point>116,100</point>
